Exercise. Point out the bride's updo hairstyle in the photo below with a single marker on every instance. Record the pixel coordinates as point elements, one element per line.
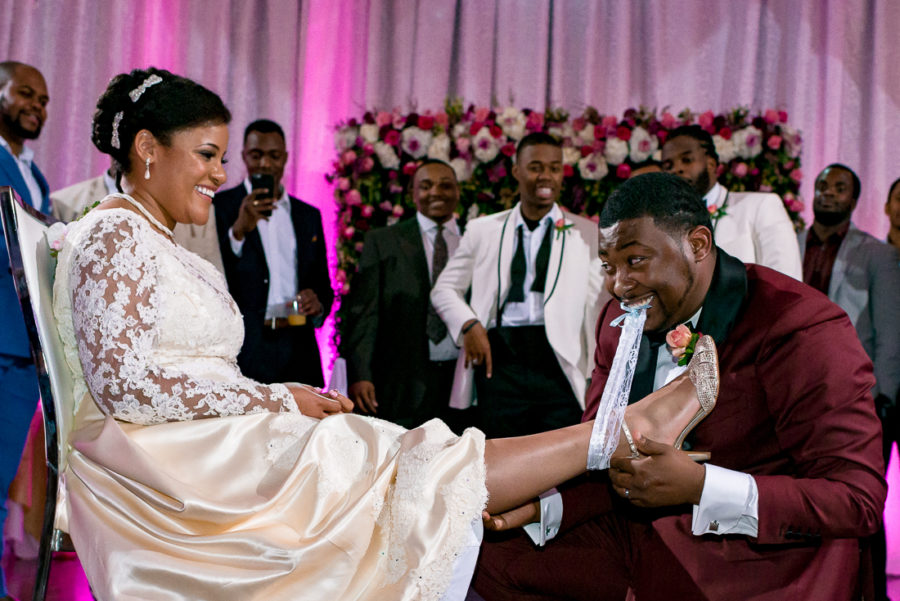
<point>153,99</point>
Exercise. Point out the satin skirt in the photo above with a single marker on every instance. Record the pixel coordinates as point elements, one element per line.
<point>271,507</point>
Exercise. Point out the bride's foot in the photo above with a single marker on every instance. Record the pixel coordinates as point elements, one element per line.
<point>669,414</point>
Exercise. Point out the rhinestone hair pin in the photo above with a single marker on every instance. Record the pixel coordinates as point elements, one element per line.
<point>115,129</point>
<point>136,93</point>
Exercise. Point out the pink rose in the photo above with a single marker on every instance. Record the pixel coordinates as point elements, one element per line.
<point>740,169</point>
<point>789,165</point>
<point>481,114</point>
<point>771,116</point>
<point>386,206</point>
<point>705,120</point>
<point>754,172</point>
<point>395,189</point>
<point>397,211</point>
<point>578,123</point>
<point>712,209</point>
<point>796,205</point>
<point>345,289</point>
<point>348,232</point>
<point>609,122</point>
<point>678,339</point>
<point>383,118</point>
<point>367,211</point>
<point>348,157</point>
<point>392,137</point>
<point>595,218</point>
<point>623,171</point>
<point>774,142</point>
<point>442,119</point>
<point>426,122</point>
<point>462,144</point>
<point>343,184</point>
<point>668,120</point>
<point>410,168</point>
<point>561,222</point>
<point>797,175</point>
<point>399,120</point>
<point>782,116</point>
<point>341,276</point>
<point>535,121</point>
<point>366,165</point>
<point>368,148</point>
<point>353,198</point>
<point>358,247</point>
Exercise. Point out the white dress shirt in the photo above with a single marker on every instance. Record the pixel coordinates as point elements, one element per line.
<point>729,502</point>
<point>531,311</point>
<point>24,162</point>
<point>280,248</point>
<point>446,349</point>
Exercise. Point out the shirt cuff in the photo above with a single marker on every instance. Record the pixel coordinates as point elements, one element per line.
<point>729,503</point>
<point>237,246</point>
<point>551,519</point>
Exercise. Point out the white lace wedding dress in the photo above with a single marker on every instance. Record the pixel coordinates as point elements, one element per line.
<point>186,480</point>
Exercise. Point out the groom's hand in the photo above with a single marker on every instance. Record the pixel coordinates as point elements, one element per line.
<point>660,477</point>
<point>514,518</point>
<point>477,347</point>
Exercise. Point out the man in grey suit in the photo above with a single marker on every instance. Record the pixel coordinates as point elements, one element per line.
<point>862,275</point>
<point>400,357</point>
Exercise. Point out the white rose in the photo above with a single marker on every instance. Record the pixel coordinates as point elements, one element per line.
<point>512,122</point>
<point>792,140</point>
<point>571,155</point>
<point>460,129</point>
<point>593,167</point>
<point>440,148</point>
<point>461,169</point>
<point>616,150</point>
<point>641,145</point>
<point>562,131</point>
<point>586,136</point>
<point>386,155</point>
<point>485,145</point>
<point>369,132</point>
<point>345,138</point>
<point>415,141</point>
<point>724,148</point>
<point>747,142</point>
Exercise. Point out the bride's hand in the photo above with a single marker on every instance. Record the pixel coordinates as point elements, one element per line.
<point>313,403</point>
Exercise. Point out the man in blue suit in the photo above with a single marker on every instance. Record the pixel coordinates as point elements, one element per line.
<point>23,110</point>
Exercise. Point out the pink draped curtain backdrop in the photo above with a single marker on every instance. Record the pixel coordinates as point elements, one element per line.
<point>311,63</point>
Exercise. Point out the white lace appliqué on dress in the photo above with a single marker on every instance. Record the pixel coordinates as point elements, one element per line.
<point>141,309</point>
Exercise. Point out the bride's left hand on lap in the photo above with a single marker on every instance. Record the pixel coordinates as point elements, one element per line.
<point>314,403</point>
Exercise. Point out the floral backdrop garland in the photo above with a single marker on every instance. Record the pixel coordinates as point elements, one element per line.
<point>378,153</point>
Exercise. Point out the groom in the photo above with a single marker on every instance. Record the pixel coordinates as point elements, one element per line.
<point>795,476</point>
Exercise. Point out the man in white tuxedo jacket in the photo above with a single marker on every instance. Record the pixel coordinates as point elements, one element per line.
<point>751,226</point>
<point>70,202</point>
<point>527,331</point>
<point>862,275</point>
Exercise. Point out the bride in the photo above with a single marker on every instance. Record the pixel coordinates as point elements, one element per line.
<point>186,480</point>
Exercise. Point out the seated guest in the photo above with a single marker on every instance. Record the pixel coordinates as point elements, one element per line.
<point>795,475</point>
<point>70,203</point>
<point>23,110</point>
<point>892,210</point>
<point>273,248</point>
<point>400,357</point>
<point>533,278</point>
<point>862,275</point>
<point>751,226</point>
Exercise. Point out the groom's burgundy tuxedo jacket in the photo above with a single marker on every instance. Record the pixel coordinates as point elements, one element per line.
<point>795,411</point>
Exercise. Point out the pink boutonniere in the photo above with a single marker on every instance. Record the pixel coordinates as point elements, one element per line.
<point>561,226</point>
<point>681,342</point>
<point>716,212</point>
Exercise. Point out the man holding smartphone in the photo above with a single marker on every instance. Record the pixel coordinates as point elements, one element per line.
<point>273,250</point>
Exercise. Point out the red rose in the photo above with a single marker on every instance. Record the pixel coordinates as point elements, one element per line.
<point>473,129</point>
<point>508,149</point>
<point>705,120</point>
<point>587,151</point>
<point>771,116</point>
<point>496,131</point>
<point>782,116</point>
<point>426,122</point>
<point>442,119</point>
<point>568,171</point>
<point>774,142</point>
<point>725,133</point>
<point>599,132</point>
<point>392,137</point>
<point>623,171</point>
<point>578,123</point>
<point>623,133</point>
<point>410,168</point>
<point>535,121</point>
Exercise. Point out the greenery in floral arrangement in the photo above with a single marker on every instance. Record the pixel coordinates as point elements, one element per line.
<point>377,153</point>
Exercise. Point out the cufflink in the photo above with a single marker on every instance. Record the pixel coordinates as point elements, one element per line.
<point>714,526</point>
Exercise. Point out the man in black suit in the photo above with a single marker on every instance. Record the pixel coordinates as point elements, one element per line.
<point>274,256</point>
<point>400,358</point>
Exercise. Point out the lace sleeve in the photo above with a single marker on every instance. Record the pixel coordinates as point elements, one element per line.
<point>116,312</point>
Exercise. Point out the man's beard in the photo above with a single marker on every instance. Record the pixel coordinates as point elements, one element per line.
<point>702,184</point>
<point>830,218</point>
<point>14,127</point>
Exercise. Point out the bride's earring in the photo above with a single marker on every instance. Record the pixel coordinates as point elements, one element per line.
<point>147,168</point>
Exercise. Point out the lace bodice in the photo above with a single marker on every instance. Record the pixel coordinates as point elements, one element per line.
<point>149,327</point>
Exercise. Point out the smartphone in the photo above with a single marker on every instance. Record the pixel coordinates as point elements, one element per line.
<point>267,181</point>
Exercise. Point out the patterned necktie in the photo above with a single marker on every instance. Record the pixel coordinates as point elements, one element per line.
<point>435,327</point>
<point>517,271</point>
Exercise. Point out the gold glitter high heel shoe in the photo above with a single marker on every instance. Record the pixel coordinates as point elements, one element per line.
<point>670,413</point>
